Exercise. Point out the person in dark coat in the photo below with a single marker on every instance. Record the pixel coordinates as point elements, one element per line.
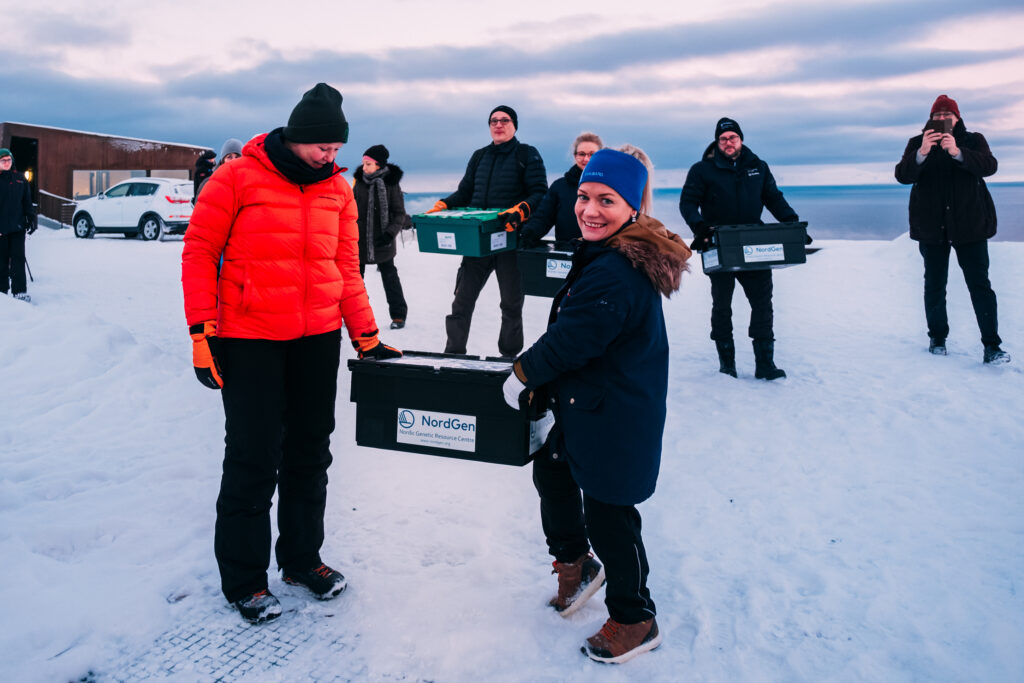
<point>204,169</point>
<point>730,185</point>
<point>558,208</point>
<point>17,218</point>
<point>508,175</point>
<point>951,209</point>
<point>381,217</point>
<point>602,367</point>
<point>229,151</point>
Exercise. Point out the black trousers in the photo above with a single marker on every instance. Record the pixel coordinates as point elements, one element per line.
<point>471,278</point>
<point>279,414</point>
<point>757,285</point>
<point>569,518</point>
<point>397,308</point>
<point>12,262</point>
<point>973,260</point>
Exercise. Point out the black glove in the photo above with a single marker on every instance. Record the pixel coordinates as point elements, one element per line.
<point>702,233</point>
<point>384,241</point>
<point>514,217</point>
<point>204,361</point>
<point>809,240</point>
<point>368,346</point>
<point>528,240</point>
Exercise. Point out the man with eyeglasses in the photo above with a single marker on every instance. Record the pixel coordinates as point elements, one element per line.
<point>951,209</point>
<point>730,185</point>
<point>509,175</point>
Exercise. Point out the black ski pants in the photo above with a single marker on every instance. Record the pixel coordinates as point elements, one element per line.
<point>973,260</point>
<point>279,414</point>
<point>569,518</point>
<point>757,285</point>
<point>470,280</point>
<point>398,309</point>
<point>12,262</point>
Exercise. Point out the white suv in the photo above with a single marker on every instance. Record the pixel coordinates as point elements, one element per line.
<point>141,207</point>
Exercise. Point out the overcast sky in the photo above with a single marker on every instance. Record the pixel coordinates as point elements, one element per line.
<point>826,93</point>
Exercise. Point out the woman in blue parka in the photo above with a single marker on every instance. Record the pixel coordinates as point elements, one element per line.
<point>602,367</point>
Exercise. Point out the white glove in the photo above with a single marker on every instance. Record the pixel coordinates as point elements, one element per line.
<point>512,388</point>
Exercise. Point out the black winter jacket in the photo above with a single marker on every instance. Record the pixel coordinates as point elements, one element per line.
<point>495,178</point>
<point>603,361</point>
<point>558,208</point>
<point>949,201</point>
<point>720,191</point>
<point>16,211</point>
<point>396,219</point>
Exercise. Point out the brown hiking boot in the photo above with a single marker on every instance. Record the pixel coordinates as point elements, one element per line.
<point>616,643</point>
<point>577,582</point>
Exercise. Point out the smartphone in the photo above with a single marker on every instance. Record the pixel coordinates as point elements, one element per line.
<point>943,126</point>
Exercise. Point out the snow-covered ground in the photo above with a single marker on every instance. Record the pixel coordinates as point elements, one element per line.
<point>862,520</point>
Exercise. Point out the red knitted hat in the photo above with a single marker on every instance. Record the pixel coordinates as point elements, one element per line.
<point>945,103</point>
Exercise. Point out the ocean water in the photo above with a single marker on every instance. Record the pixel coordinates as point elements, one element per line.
<point>851,212</point>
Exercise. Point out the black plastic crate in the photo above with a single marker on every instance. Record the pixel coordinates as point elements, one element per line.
<point>544,268</point>
<point>756,247</point>
<point>443,404</point>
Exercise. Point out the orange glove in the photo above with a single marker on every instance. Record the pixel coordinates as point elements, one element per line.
<point>515,216</point>
<point>438,206</point>
<point>203,360</point>
<point>368,346</point>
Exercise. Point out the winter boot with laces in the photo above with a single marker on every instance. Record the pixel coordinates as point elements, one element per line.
<point>616,643</point>
<point>995,355</point>
<point>577,583</point>
<point>323,582</point>
<point>259,607</point>
<point>764,352</point>
<point>726,356</point>
<point>23,296</point>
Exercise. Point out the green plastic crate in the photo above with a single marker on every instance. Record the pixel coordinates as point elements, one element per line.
<point>466,232</point>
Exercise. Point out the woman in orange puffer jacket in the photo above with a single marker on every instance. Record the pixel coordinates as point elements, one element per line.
<point>266,329</point>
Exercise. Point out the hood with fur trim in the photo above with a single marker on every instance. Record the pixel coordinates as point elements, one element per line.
<point>656,251</point>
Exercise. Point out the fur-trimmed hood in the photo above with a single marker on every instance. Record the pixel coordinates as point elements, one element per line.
<point>391,177</point>
<point>661,254</point>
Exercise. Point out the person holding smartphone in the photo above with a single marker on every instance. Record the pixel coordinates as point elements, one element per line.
<point>951,210</point>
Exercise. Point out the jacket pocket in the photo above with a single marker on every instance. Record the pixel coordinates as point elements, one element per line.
<point>577,394</point>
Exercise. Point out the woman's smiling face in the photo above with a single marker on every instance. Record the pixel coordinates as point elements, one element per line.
<point>600,211</point>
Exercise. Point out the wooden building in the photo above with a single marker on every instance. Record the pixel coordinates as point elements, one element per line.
<point>66,165</point>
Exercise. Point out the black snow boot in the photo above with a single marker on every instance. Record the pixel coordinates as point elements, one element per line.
<point>995,355</point>
<point>764,351</point>
<point>726,356</point>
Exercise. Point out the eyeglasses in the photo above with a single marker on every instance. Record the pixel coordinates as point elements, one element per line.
<point>500,122</point>
<point>729,138</point>
<point>583,155</point>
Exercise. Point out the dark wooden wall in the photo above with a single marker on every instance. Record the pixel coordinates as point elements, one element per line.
<point>63,151</point>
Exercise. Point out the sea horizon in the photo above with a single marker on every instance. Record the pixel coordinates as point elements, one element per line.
<point>855,212</point>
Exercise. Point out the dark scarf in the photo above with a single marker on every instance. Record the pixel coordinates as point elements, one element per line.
<point>292,167</point>
<point>376,206</point>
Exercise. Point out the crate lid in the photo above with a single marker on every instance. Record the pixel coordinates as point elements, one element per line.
<point>438,362</point>
<point>466,214</point>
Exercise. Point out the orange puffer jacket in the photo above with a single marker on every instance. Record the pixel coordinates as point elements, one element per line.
<point>291,254</point>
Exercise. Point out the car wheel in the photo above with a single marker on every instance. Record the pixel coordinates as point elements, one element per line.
<point>150,228</point>
<point>83,226</point>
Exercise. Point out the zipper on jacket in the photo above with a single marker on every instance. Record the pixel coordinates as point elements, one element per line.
<point>305,262</point>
